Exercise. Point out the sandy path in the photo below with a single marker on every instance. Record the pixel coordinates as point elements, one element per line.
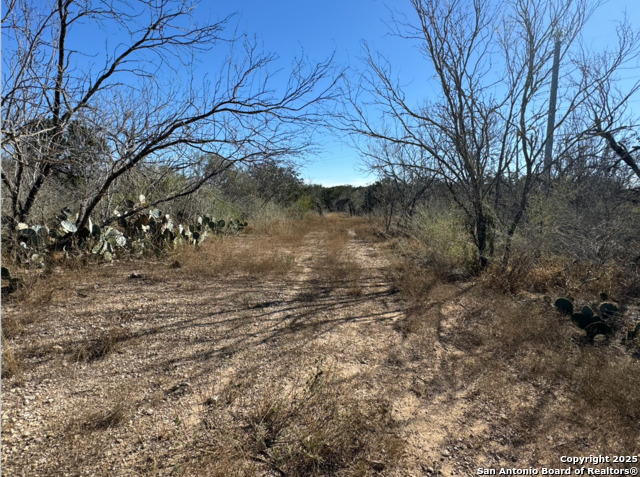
<point>176,341</point>
<point>138,368</point>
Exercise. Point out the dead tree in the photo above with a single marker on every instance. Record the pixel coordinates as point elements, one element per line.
<point>140,99</point>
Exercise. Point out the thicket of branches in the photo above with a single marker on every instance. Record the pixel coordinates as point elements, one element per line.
<point>483,132</point>
<point>95,129</point>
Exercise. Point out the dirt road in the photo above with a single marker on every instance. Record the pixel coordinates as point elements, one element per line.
<point>287,351</point>
<point>116,370</point>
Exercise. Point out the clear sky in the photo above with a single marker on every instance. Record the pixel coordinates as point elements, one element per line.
<point>320,27</point>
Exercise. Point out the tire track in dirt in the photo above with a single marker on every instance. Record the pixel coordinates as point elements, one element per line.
<point>183,339</point>
<point>179,340</point>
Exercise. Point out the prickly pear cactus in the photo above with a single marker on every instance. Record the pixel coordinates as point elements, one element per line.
<point>133,230</point>
<point>591,323</point>
<point>584,321</point>
<point>608,310</point>
<point>564,306</point>
<point>9,283</point>
<point>635,333</point>
<point>587,311</point>
<point>598,328</point>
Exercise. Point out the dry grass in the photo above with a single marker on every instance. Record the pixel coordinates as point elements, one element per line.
<point>11,367</point>
<point>97,348</point>
<point>523,361</point>
<point>283,231</point>
<point>117,342</point>
<point>34,297</point>
<point>318,425</point>
<point>228,256</point>
<point>246,254</point>
<point>102,419</point>
<point>415,282</point>
<point>608,389</point>
<point>335,267</point>
<point>552,274</point>
<point>306,365</point>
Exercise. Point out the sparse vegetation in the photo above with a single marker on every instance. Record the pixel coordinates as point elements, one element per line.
<point>307,365</point>
<point>10,366</point>
<point>478,305</point>
<point>319,426</point>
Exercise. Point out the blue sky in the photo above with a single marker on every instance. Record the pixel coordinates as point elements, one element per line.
<point>320,27</point>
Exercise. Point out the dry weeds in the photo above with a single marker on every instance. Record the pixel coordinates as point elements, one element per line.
<point>255,355</point>
<point>302,348</point>
<point>319,425</point>
<point>515,371</point>
<point>10,365</point>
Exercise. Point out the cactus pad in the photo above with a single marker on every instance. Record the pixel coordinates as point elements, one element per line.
<point>564,306</point>
<point>607,310</point>
<point>587,311</point>
<point>584,321</point>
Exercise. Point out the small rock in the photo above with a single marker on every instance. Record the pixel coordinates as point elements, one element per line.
<point>430,470</point>
<point>446,453</point>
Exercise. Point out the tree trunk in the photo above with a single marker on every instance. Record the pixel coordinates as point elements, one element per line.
<point>522,206</point>
<point>481,237</point>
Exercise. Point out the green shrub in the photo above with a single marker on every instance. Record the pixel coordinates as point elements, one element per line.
<point>304,204</point>
<point>442,240</point>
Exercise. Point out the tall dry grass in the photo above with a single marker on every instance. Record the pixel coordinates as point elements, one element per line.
<point>522,359</point>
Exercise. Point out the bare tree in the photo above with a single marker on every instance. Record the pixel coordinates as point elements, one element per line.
<point>485,124</point>
<point>405,174</point>
<point>609,116</point>
<point>149,123</point>
<point>458,128</point>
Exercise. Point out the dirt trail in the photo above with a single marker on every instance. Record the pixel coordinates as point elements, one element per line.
<point>286,354</point>
<point>130,352</point>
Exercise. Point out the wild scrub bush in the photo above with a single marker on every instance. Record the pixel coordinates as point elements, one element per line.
<point>440,240</point>
<point>579,236</point>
